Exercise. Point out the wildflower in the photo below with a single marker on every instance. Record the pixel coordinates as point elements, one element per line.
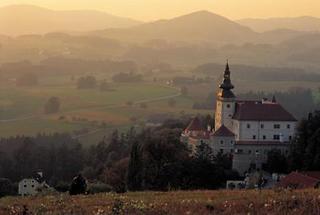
<point>250,205</point>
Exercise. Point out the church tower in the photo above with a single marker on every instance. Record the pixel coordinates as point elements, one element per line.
<point>225,106</point>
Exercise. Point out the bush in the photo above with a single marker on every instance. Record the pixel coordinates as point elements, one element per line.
<point>6,187</point>
<point>52,105</point>
<point>62,187</point>
<point>127,77</point>
<point>99,187</point>
<point>88,82</point>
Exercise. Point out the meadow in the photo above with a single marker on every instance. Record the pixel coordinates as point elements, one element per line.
<point>89,114</point>
<point>179,202</point>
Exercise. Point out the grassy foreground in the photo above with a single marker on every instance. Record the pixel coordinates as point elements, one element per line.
<point>153,203</point>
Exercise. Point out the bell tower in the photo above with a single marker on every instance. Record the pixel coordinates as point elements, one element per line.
<point>225,106</point>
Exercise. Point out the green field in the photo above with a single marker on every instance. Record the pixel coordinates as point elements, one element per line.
<point>21,109</point>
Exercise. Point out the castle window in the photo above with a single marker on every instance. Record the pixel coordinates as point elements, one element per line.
<point>254,137</point>
<point>276,137</point>
<point>262,126</point>
<point>288,126</point>
<point>248,125</point>
<point>249,151</point>
<point>231,142</point>
<point>240,151</point>
<point>257,152</point>
<point>221,150</point>
<point>231,150</point>
<point>264,137</point>
<point>276,126</point>
<point>228,105</point>
<point>290,137</point>
<point>221,142</point>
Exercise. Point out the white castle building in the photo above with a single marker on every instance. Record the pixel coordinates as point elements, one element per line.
<point>247,130</point>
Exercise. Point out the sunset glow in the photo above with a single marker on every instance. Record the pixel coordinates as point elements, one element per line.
<point>147,10</point>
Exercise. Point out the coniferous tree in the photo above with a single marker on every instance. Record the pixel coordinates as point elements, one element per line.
<point>305,151</point>
<point>135,169</point>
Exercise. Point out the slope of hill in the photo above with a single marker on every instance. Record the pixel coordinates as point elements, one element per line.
<point>28,19</point>
<point>198,26</point>
<point>304,23</point>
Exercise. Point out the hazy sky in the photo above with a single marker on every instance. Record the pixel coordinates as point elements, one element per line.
<point>155,9</point>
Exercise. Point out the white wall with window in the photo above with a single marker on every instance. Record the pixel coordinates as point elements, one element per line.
<point>28,187</point>
<point>264,130</point>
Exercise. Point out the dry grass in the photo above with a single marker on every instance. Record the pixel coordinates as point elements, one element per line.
<point>153,203</point>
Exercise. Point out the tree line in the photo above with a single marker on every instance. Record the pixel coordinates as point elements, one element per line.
<point>297,101</point>
<point>151,159</point>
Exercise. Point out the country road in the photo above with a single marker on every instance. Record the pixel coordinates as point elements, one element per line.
<point>95,108</point>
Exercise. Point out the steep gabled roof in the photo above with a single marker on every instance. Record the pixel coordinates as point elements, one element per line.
<point>260,111</point>
<point>223,131</point>
<point>195,125</point>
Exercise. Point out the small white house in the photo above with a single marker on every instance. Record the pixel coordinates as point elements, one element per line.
<point>28,187</point>
<point>33,186</point>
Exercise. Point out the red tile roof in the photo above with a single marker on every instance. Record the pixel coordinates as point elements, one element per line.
<point>259,111</point>
<point>201,135</point>
<point>223,131</point>
<point>195,125</point>
<point>300,180</point>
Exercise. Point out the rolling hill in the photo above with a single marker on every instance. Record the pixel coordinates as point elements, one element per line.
<point>304,23</point>
<point>198,26</point>
<point>28,19</point>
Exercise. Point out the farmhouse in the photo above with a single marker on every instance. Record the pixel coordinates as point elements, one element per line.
<point>246,129</point>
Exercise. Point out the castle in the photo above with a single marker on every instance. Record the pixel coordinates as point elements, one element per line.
<point>245,129</point>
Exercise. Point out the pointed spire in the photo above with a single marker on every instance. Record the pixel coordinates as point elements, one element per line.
<point>227,66</point>
<point>226,86</point>
<point>226,83</point>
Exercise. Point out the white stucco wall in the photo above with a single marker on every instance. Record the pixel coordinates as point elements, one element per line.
<point>223,144</point>
<point>28,187</point>
<point>265,132</point>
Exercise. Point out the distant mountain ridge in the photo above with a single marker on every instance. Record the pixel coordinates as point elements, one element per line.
<point>303,23</point>
<point>198,26</point>
<point>29,19</point>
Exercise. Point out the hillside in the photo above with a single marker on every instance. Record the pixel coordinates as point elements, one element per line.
<point>304,23</point>
<point>192,202</point>
<point>28,19</point>
<point>198,26</point>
